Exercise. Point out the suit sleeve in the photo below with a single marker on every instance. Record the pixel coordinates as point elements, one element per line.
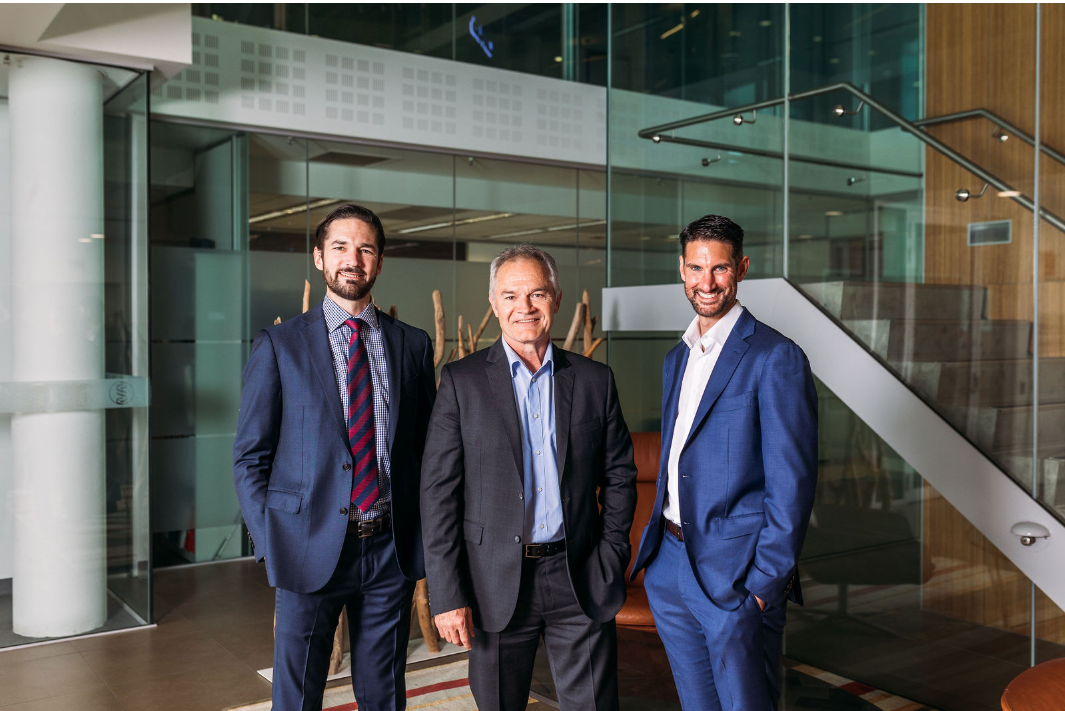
<point>787,405</point>
<point>617,485</point>
<point>258,429</point>
<point>426,398</point>
<point>442,497</point>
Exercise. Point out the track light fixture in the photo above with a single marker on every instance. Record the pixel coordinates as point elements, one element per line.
<point>739,120</point>
<point>708,161</point>
<point>964,194</point>
<point>840,112</point>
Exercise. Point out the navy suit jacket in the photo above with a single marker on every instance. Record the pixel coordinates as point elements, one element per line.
<point>291,448</point>
<point>748,468</point>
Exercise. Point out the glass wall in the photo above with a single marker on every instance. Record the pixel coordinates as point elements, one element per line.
<point>233,216</point>
<point>899,239</point>
<point>74,548</point>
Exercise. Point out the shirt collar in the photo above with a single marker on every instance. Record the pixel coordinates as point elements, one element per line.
<point>335,316</point>
<point>718,333</point>
<point>515,361</point>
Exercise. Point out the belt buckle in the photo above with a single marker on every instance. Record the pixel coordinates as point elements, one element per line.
<point>369,528</point>
<point>534,550</point>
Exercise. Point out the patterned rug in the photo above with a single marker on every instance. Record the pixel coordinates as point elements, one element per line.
<point>441,688</point>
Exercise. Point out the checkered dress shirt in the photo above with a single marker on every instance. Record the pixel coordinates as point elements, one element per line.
<point>339,336</point>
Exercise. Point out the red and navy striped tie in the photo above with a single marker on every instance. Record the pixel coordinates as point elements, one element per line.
<point>361,437</point>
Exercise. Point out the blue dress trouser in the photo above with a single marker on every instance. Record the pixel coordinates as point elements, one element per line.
<point>369,582</point>
<point>721,660</point>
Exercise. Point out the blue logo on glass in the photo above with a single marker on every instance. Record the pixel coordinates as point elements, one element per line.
<point>478,34</point>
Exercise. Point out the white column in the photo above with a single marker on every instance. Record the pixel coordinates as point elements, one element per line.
<point>56,121</point>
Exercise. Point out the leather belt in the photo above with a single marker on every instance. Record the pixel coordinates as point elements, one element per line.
<point>674,529</point>
<point>365,529</point>
<point>539,550</point>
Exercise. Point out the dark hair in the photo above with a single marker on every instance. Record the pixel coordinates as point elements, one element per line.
<point>351,211</point>
<point>714,227</point>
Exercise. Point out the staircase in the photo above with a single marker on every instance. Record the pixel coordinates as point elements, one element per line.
<point>975,372</point>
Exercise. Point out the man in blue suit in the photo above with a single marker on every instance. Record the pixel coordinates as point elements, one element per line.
<point>735,486</point>
<point>327,464</point>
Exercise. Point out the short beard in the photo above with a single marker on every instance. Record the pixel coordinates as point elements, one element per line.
<point>350,292</point>
<point>722,307</point>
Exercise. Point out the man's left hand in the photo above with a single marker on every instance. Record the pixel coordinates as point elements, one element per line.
<point>760,601</point>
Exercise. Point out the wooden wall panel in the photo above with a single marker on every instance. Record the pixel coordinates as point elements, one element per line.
<point>983,56</point>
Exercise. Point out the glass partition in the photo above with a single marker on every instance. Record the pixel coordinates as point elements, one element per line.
<point>74,536</point>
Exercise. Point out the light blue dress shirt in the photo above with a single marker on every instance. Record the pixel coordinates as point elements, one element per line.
<point>534,394</point>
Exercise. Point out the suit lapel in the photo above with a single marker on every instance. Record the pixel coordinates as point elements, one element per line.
<point>316,336</point>
<point>563,385</point>
<point>392,339</point>
<point>497,368</point>
<point>731,353</point>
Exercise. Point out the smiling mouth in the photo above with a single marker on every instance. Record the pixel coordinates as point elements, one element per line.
<point>707,296</point>
<point>528,320</point>
<point>351,275</point>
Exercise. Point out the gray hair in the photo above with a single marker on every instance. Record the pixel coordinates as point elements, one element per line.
<point>524,251</point>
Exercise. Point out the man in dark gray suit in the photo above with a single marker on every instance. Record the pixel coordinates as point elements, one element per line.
<point>517,543</point>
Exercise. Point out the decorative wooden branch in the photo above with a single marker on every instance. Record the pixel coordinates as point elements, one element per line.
<point>591,349</point>
<point>471,344</point>
<point>578,318</point>
<point>587,321</point>
<point>461,338</point>
<point>393,311</point>
<point>306,296</point>
<point>438,309</point>
<point>480,329</point>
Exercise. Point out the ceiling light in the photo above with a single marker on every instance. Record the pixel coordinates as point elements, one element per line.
<point>671,31</point>
<point>817,38</point>
<point>1009,193</point>
<point>558,59</point>
<point>467,221</point>
<point>765,23</point>
<point>806,236</point>
<point>833,213</point>
<point>84,240</point>
<point>735,33</point>
<point>97,236</point>
<point>834,60</point>
<point>291,210</point>
<point>695,13</point>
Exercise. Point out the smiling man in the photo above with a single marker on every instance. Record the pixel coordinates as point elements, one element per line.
<point>735,486</point>
<point>528,494</point>
<point>327,462</point>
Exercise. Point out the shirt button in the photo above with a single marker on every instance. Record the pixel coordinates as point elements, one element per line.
<point>538,451</point>
<point>541,525</point>
<point>347,467</point>
<point>343,512</point>
<point>536,417</point>
<point>539,488</point>
<point>517,539</point>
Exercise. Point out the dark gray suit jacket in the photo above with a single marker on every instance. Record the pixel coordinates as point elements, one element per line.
<point>472,487</point>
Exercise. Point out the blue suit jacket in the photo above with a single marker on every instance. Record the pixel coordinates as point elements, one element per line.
<point>748,468</point>
<point>291,448</point>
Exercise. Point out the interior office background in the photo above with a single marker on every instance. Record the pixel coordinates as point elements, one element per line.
<point>182,223</point>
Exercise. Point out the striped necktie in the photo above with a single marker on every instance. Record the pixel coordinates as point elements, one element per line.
<point>361,437</point>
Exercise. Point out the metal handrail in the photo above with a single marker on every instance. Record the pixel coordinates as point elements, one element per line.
<point>995,119</point>
<point>658,134</point>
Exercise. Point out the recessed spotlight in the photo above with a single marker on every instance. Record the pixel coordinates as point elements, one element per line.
<point>558,59</point>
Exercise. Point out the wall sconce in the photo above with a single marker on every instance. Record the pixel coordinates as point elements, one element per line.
<point>739,120</point>
<point>840,112</point>
<point>963,194</point>
<point>708,161</point>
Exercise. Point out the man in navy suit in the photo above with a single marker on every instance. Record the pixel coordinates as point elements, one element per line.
<point>327,464</point>
<point>735,486</point>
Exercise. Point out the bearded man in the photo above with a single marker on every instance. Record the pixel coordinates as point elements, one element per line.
<point>735,486</point>
<point>327,468</point>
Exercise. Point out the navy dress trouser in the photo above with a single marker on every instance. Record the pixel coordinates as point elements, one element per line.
<point>369,582</point>
<point>721,660</point>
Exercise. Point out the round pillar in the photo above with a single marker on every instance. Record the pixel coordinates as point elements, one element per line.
<point>59,584</point>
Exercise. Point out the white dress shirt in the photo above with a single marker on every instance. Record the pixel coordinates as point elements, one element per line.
<point>705,350</point>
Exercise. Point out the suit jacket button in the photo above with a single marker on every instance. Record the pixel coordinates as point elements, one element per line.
<point>347,467</point>
<point>521,495</point>
<point>343,512</point>
<point>517,539</point>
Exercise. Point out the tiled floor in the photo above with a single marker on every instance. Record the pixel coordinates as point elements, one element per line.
<point>213,632</point>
